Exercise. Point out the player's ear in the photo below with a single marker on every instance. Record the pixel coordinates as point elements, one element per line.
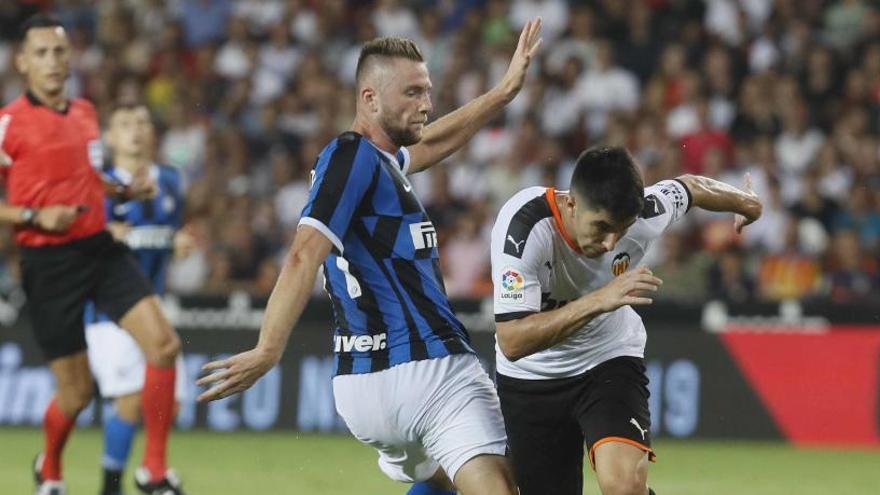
<point>370,98</point>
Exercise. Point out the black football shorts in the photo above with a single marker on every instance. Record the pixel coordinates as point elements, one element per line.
<point>58,280</point>
<point>549,422</point>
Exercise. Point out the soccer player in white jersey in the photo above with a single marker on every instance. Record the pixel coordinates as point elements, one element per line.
<point>569,346</point>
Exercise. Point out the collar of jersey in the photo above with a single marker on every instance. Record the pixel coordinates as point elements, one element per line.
<point>387,154</point>
<point>32,98</point>
<point>551,200</point>
<point>124,176</point>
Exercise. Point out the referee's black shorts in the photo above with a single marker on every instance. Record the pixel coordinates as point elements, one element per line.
<point>549,422</point>
<point>58,280</point>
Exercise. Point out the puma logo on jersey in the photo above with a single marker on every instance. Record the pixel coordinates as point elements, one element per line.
<point>653,207</point>
<point>516,245</point>
<point>360,343</point>
<point>635,423</point>
<point>406,186</point>
<point>620,264</point>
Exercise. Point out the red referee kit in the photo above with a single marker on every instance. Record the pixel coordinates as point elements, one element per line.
<point>56,156</point>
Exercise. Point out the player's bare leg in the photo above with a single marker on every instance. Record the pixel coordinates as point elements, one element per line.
<point>74,382</point>
<point>486,475</point>
<point>73,393</point>
<point>152,331</point>
<point>441,480</point>
<point>622,469</point>
<point>160,345</point>
<point>129,407</point>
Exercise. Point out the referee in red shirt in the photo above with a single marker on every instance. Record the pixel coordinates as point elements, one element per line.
<point>50,157</point>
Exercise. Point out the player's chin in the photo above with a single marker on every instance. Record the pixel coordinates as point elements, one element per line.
<point>592,252</point>
<point>410,138</point>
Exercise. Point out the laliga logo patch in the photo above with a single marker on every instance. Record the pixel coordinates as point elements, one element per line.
<point>620,264</point>
<point>512,283</point>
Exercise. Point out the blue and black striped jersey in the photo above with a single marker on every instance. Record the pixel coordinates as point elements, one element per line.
<point>153,225</point>
<point>383,275</point>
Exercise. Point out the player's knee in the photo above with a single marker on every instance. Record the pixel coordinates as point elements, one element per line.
<point>165,348</point>
<point>74,397</point>
<point>623,483</point>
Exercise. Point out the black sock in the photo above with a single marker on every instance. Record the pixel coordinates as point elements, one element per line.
<point>651,492</point>
<point>112,481</point>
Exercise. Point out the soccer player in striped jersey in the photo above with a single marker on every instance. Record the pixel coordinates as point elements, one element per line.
<point>569,347</point>
<point>150,227</point>
<point>407,381</point>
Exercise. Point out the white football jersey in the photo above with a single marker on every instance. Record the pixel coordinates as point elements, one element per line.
<point>536,267</point>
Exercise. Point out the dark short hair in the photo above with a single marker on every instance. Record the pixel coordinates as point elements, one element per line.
<point>37,21</point>
<point>388,47</point>
<point>606,178</point>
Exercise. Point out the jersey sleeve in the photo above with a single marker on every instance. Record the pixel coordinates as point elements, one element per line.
<point>518,256</point>
<point>341,178</point>
<point>666,202</point>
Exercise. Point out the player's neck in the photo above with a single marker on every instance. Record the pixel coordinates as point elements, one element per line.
<point>561,198</point>
<point>57,101</point>
<point>375,134</point>
<point>131,164</point>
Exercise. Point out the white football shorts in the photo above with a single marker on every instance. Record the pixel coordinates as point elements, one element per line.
<point>425,414</point>
<point>118,364</point>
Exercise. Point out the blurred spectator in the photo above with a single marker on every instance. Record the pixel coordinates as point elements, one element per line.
<point>861,217</point>
<point>788,273</point>
<point>852,274</point>
<point>683,274</point>
<point>553,14</point>
<point>204,21</point>
<point>729,279</point>
<point>466,258</point>
<point>605,88</point>
<point>245,94</point>
<point>695,146</point>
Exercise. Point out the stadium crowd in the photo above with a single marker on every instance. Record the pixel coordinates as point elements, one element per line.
<point>245,93</point>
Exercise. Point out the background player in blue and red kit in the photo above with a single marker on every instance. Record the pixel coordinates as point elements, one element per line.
<point>150,227</point>
<point>51,157</point>
<point>407,381</point>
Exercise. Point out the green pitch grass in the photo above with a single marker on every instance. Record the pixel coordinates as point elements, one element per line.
<point>288,464</point>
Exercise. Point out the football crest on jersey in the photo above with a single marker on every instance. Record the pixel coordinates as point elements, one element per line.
<point>96,153</point>
<point>620,264</point>
<point>168,204</point>
<point>512,284</point>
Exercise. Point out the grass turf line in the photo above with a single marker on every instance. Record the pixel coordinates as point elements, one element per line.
<point>290,464</point>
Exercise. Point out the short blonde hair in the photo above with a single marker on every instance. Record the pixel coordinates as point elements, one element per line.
<point>387,47</point>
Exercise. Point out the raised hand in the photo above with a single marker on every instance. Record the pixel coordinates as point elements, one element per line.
<point>628,290</point>
<point>740,220</point>
<point>235,374</point>
<point>519,64</point>
<point>142,186</point>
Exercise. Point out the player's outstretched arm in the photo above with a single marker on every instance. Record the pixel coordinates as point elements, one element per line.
<point>289,297</point>
<point>710,194</point>
<point>445,136</point>
<point>534,333</point>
